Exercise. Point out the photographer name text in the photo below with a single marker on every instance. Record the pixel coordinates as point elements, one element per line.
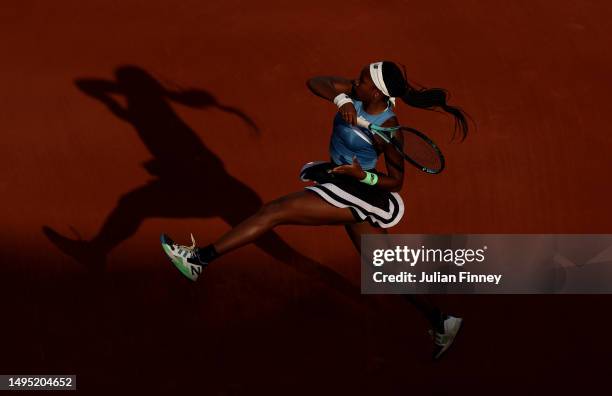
<point>436,277</point>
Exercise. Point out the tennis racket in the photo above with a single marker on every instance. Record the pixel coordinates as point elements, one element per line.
<point>418,149</point>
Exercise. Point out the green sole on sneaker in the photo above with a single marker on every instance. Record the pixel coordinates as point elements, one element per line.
<point>166,242</point>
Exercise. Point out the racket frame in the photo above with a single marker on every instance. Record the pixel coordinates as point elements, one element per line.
<point>382,132</point>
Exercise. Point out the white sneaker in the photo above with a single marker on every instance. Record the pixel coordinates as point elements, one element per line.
<point>443,341</point>
<point>184,258</point>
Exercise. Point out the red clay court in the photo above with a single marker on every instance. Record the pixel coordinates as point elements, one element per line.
<point>285,316</point>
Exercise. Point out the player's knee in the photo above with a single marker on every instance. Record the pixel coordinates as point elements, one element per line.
<point>274,212</point>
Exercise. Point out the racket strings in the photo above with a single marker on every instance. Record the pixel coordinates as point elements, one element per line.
<point>421,151</point>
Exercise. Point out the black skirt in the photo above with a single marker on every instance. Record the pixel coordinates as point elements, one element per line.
<point>381,208</point>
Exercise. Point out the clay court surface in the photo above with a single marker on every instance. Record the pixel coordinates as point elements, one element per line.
<point>285,316</point>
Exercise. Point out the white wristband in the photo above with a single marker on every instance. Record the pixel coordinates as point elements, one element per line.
<point>342,99</point>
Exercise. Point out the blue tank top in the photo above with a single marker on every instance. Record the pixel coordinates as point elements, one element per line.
<point>348,140</point>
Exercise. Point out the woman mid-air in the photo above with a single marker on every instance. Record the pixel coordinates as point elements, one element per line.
<point>348,190</point>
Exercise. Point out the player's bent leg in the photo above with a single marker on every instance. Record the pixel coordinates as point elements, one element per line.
<point>444,328</point>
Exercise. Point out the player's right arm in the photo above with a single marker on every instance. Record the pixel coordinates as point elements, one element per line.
<point>330,87</point>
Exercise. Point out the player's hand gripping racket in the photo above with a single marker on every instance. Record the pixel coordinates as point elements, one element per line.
<point>418,149</point>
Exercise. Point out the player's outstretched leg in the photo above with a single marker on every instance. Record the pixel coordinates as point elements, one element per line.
<point>301,208</point>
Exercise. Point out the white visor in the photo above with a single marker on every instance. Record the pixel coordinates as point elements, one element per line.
<point>377,76</point>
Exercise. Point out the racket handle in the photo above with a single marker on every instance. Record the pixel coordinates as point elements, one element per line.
<point>362,122</point>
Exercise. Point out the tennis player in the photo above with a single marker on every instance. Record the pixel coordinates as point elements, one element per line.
<point>348,190</point>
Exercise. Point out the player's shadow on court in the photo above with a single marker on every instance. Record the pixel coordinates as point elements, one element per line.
<point>190,180</point>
